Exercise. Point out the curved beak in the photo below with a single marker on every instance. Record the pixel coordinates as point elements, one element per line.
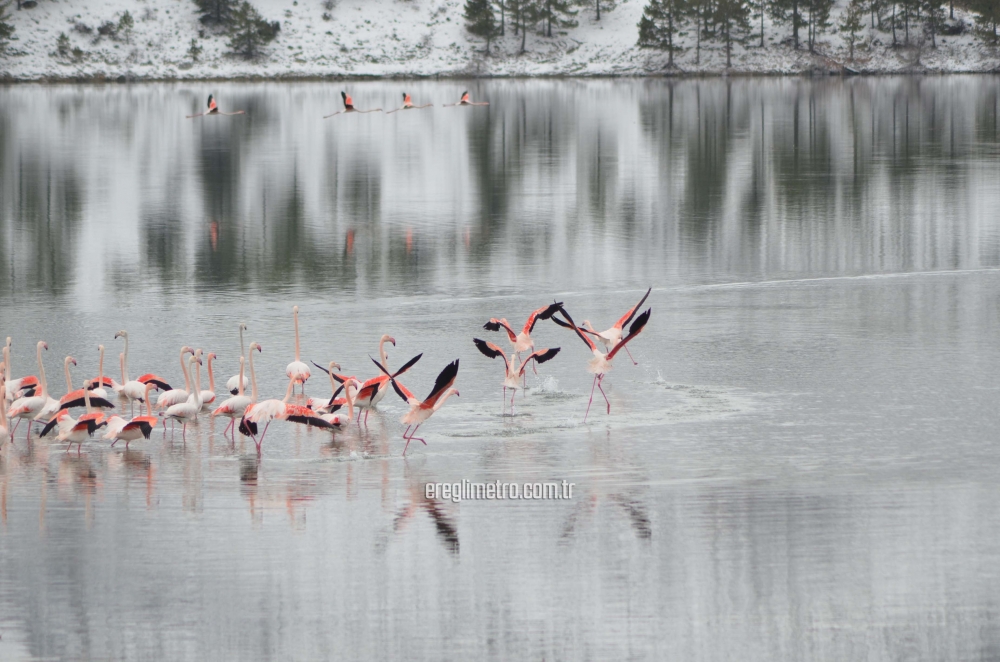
<point>118,335</point>
<point>46,346</point>
<point>393,341</point>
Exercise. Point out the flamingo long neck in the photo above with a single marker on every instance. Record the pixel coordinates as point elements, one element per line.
<point>333,382</point>
<point>211,375</point>
<point>69,384</point>
<point>197,386</point>
<point>448,394</point>
<point>288,391</point>
<point>240,386</point>
<point>3,406</point>
<point>41,373</point>
<point>253,379</point>
<point>121,364</point>
<point>100,369</point>
<point>149,405</point>
<point>125,360</point>
<point>243,349</point>
<point>297,336</point>
<point>86,397</point>
<point>381,353</point>
<point>187,376</point>
<point>6,360</point>
<point>350,391</point>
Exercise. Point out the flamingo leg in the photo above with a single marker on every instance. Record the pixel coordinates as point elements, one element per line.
<point>504,398</point>
<point>512,395</point>
<point>262,435</point>
<point>367,411</point>
<point>116,441</point>
<point>14,429</point>
<point>634,362</point>
<point>599,380</point>
<point>591,399</point>
<point>29,431</point>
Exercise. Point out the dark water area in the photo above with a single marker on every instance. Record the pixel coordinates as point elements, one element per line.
<point>801,466</point>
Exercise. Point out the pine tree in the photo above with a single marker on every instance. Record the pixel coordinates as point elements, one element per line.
<point>194,50</point>
<point>760,6</point>
<point>125,25</point>
<point>248,31</point>
<point>661,22</point>
<point>557,12</point>
<point>789,11</point>
<point>852,23</point>
<point>62,45</point>
<point>217,12</point>
<point>599,6</point>
<point>934,13</point>
<point>480,20</point>
<point>987,20</point>
<point>819,19</point>
<point>733,19</point>
<point>6,28</point>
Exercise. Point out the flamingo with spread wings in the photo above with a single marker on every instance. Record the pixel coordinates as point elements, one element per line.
<point>408,105</point>
<point>600,365</point>
<point>514,369</point>
<point>349,107</point>
<point>611,337</point>
<point>465,101</point>
<point>213,109</point>
<point>421,410</point>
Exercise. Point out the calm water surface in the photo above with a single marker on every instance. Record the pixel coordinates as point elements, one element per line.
<point>802,466</point>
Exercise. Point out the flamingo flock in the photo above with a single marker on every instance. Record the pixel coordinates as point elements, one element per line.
<point>465,100</point>
<point>27,399</point>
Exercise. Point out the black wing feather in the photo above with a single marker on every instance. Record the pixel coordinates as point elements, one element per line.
<point>444,379</point>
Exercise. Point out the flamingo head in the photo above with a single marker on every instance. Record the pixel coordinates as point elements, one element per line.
<point>212,356</point>
<point>43,345</point>
<point>69,360</point>
<point>243,326</point>
<point>100,348</point>
<point>334,364</point>
<point>256,345</point>
<point>295,309</point>
<point>121,334</point>
<point>389,339</point>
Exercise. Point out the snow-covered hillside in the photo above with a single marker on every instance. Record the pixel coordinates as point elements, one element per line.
<point>418,38</point>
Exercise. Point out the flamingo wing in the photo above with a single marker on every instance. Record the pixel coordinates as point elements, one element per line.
<point>442,383</point>
<point>403,392</point>
<point>637,326</point>
<point>490,350</point>
<point>540,355</point>
<point>541,314</point>
<point>79,401</point>
<point>627,317</point>
<point>160,382</point>
<point>494,325</point>
<point>569,323</point>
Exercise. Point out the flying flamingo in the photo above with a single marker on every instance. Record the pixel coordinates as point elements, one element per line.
<point>231,385</point>
<point>29,407</point>
<point>297,371</point>
<point>213,109</point>
<point>186,411</point>
<point>237,406</point>
<point>408,105</point>
<point>523,342</point>
<point>27,384</point>
<point>466,102</point>
<point>371,392</point>
<point>208,397</point>
<point>134,389</point>
<point>176,396</point>
<point>349,107</point>
<point>83,427</point>
<point>514,370</point>
<point>600,365</point>
<point>612,336</point>
<point>421,411</point>
<point>128,431</point>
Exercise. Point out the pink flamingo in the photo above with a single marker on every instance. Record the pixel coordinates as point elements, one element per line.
<point>349,107</point>
<point>297,371</point>
<point>213,109</point>
<point>465,101</point>
<point>408,105</point>
<point>237,406</point>
<point>611,337</point>
<point>139,427</point>
<point>514,370</point>
<point>186,411</point>
<point>31,406</point>
<point>17,388</point>
<point>600,365</point>
<point>176,396</point>
<point>420,411</point>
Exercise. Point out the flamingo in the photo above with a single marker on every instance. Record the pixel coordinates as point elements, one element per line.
<point>231,385</point>
<point>213,109</point>
<point>51,404</point>
<point>350,391</point>
<point>30,406</point>
<point>186,411</point>
<point>372,391</point>
<point>420,411</point>
<point>176,396</point>
<point>322,404</point>
<point>82,428</point>
<point>75,398</point>
<point>349,107</point>
<point>297,371</point>
<point>208,397</point>
<point>134,389</point>
<point>264,412</point>
<point>408,105</point>
<point>523,342</point>
<point>128,431</point>
<point>235,406</point>
<point>612,336</point>
<point>27,384</point>
<point>514,370</point>
<point>600,365</point>
<point>466,102</point>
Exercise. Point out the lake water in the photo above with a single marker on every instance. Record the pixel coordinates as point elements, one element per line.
<point>802,466</point>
